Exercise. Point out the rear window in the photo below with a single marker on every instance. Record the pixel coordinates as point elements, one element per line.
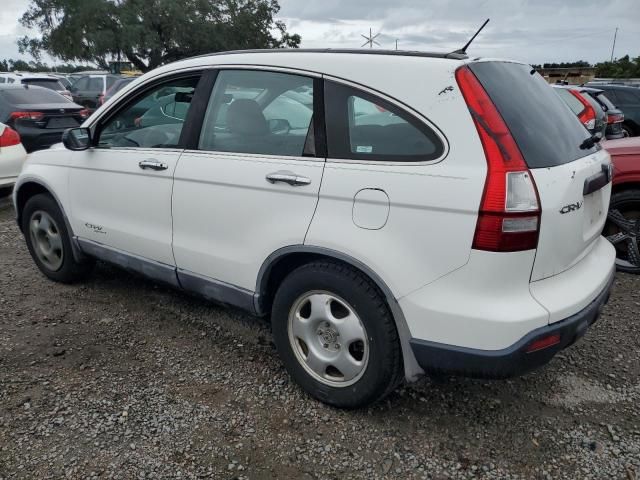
<point>50,84</point>
<point>32,96</point>
<point>605,101</point>
<point>568,98</point>
<point>546,131</point>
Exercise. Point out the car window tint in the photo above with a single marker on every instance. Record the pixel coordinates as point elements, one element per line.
<point>258,112</point>
<point>111,81</point>
<point>572,102</point>
<point>50,84</point>
<point>81,83</point>
<point>361,126</point>
<point>153,120</point>
<point>33,95</point>
<point>627,97</point>
<point>96,84</point>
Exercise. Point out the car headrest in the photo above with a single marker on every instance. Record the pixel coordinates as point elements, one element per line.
<point>245,117</point>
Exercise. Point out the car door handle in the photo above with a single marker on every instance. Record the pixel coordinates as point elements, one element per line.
<point>153,165</point>
<point>288,177</point>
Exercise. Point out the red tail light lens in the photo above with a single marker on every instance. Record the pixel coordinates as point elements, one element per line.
<point>84,113</point>
<point>544,342</point>
<point>588,115</point>
<point>9,137</point>
<point>35,116</point>
<point>509,217</point>
<point>615,118</point>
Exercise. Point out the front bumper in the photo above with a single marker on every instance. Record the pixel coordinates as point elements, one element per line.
<point>513,360</point>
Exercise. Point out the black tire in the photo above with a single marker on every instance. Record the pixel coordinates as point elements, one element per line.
<point>627,131</point>
<point>623,222</point>
<point>70,270</point>
<point>384,368</point>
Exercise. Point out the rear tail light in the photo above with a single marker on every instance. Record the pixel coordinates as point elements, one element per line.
<point>84,113</point>
<point>615,118</point>
<point>509,217</point>
<point>588,115</point>
<point>9,137</point>
<point>35,116</point>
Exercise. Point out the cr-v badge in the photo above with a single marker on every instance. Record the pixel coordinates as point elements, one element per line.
<point>572,207</point>
<point>95,228</point>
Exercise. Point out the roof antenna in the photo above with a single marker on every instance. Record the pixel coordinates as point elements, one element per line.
<point>463,50</point>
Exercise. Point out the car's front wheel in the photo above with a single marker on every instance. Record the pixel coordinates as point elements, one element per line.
<point>49,242</point>
<point>336,335</point>
<point>623,229</point>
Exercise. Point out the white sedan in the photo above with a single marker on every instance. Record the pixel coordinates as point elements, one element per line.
<point>12,157</point>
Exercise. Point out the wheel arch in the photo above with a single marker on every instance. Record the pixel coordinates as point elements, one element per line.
<point>628,184</point>
<point>283,261</point>
<point>28,188</point>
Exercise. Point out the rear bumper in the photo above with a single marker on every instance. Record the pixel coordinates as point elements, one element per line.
<point>40,138</point>
<point>513,360</point>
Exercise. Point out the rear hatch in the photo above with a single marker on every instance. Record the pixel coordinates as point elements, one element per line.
<point>572,176</point>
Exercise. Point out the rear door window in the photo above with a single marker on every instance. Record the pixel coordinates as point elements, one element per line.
<point>259,112</point>
<point>361,126</point>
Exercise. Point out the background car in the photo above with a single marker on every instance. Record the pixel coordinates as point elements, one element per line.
<point>623,221</point>
<point>89,90</point>
<point>586,108</point>
<point>12,156</point>
<point>615,116</point>
<point>626,99</point>
<point>115,88</point>
<point>45,81</point>
<point>38,114</point>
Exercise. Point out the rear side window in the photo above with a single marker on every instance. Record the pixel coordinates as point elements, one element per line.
<point>547,133</point>
<point>81,83</point>
<point>50,84</point>
<point>361,126</point>
<point>32,95</point>
<point>111,81</point>
<point>605,101</point>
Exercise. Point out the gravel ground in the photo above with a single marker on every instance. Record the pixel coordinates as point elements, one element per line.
<point>122,378</point>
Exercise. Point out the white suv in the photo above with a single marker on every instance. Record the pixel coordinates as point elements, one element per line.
<point>394,213</point>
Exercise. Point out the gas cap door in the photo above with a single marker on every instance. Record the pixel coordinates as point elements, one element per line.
<point>371,208</point>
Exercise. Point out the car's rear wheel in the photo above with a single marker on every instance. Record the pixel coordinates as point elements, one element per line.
<point>623,229</point>
<point>49,242</point>
<point>335,335</point>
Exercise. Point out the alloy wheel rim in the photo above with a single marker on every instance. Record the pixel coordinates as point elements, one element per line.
<point>625,239</point>
<point>46,240</point>
<point>328,338</point>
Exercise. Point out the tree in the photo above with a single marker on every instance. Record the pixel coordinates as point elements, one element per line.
<point>621,68</point>
<point>150,33</point>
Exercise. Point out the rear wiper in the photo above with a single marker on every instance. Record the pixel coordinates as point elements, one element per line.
<point>590,142</point>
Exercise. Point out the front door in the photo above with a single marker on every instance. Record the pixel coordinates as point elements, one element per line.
<point>120,190</point>
<point>250,185</point>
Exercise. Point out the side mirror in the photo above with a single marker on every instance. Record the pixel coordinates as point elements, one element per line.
<point>77,139</point>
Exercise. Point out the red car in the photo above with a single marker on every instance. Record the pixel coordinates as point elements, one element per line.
<point>623,222</point>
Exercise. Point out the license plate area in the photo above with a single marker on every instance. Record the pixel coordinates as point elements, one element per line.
<point>63,122</point>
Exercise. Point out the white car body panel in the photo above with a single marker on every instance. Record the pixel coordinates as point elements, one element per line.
<point>11,161</point>
<point>115,203</point>
<point>228,219</point>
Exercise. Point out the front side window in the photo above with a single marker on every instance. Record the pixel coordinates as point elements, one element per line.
<point>258,112</point>
<point>361,126</point>
<point>153,119</point>
<point>96,84</point>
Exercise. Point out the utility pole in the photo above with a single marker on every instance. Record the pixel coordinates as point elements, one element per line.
<point>614,43</point>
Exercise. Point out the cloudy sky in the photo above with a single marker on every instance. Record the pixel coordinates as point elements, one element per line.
<point>535,31</point>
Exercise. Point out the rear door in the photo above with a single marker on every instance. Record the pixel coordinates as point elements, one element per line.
<point>571,173</point>
<point>249,183</point>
